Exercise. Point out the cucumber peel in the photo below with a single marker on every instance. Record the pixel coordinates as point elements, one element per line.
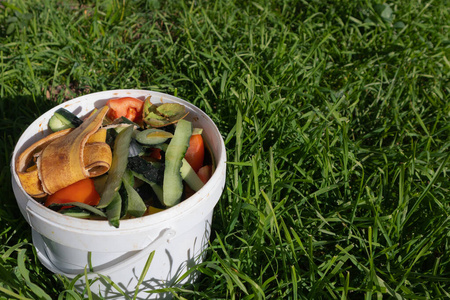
<point>114,209</point>
<point>156,187</point>
<point>63,119</point>
<point>118,167</point>
<point>136,206</point>
<point>93,210</point>
<point>153,136</point>
<point>188,174</point>
<point>173,182</point>
<point>76,212</point>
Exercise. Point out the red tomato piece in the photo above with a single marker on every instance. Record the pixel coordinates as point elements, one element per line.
<point>195,152</point>
<point>204,173</point>
<point>156,153</point>
<point>128,107</point>
<point>81,191</point>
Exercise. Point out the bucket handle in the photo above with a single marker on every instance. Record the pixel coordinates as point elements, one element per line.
<point>164,236</point>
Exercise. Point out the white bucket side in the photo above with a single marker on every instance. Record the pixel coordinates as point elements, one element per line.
<point>172,258</point>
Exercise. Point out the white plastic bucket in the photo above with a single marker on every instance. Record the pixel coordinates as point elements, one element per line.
<point>179,235</point>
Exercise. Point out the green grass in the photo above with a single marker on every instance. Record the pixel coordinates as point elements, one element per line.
<point>335,114</point>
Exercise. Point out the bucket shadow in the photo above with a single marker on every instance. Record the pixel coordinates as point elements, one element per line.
<point>16,113</point>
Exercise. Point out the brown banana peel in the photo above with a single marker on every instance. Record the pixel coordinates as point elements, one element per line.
<point>97,159</point>
<point>65,157</point>
<point>29,177</point>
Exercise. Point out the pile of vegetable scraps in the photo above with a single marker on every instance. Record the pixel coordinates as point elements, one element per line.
<point>127,159</point>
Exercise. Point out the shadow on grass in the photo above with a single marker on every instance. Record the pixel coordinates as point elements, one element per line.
<point>17,113</point>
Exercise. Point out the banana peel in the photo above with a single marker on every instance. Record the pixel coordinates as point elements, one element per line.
<point>65,157</point>
<point>29,176</point>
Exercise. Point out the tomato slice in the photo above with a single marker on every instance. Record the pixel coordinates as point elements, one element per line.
<point>81,191</point>
<point>195,153</point>
<point>204,173</point>
<point>156,153</point>
<point>128,107</point>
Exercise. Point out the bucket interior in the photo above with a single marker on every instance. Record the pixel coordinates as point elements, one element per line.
<point>67,245</point>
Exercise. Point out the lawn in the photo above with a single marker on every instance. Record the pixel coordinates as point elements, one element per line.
<point>335,116</point>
